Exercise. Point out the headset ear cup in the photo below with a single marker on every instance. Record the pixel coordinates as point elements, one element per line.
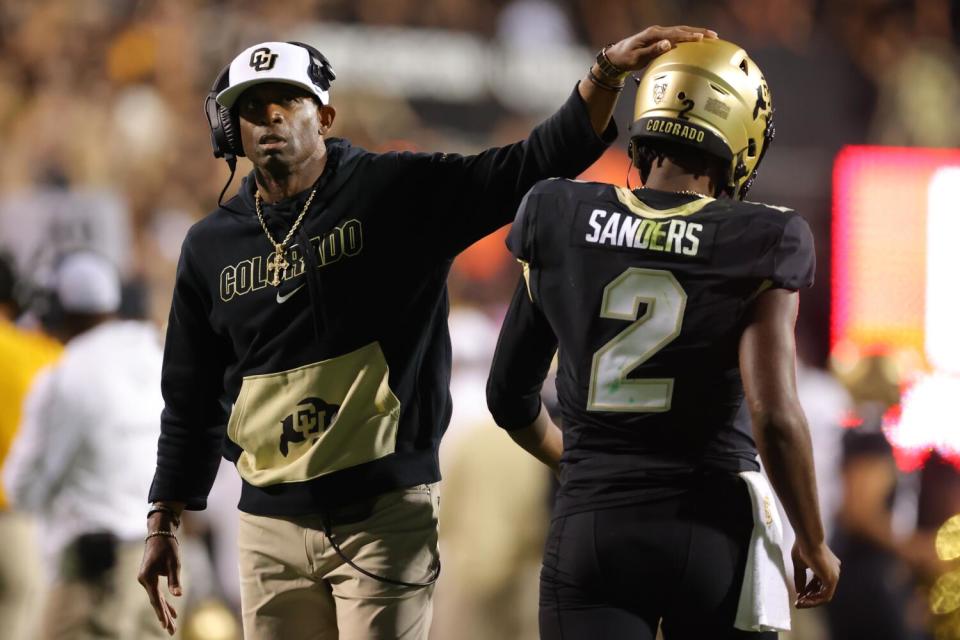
<point>231,134</point>
<point>224,133</point>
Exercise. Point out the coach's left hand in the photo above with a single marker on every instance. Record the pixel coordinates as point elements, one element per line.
<point>161,557</point>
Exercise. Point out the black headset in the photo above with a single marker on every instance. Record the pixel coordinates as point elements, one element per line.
<point>224,131</point>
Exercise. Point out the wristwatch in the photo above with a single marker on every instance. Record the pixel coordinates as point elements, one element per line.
<point>608,69</point>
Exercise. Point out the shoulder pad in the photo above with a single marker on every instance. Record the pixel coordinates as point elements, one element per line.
<point>769,206</point>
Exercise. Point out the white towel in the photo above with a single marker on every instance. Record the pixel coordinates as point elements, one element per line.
<point>764,599</point>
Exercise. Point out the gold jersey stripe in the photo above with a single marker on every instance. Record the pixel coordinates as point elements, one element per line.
<point>526,276</point>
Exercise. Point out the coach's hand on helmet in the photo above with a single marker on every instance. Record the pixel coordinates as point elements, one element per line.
<point>637,51</point>
<point>161,557</point>
<point>826,573</point>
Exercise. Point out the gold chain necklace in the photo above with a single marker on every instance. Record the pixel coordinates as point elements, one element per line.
<point>279,262</point>
<point>688,192</point>
<point>685,192</point>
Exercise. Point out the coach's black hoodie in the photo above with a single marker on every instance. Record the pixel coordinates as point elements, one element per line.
<point>333,386</point>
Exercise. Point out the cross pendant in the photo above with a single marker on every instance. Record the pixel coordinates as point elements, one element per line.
<point>279,265</point>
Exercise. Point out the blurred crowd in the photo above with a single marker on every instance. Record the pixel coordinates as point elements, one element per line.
<point>107,148</point>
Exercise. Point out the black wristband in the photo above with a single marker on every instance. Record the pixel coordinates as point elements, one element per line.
<point>616,88</point>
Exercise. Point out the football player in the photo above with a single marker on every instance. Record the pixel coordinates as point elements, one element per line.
<point>673,307</point>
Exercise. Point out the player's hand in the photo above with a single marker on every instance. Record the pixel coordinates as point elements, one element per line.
<point>161,557</point>
<point>637,51</point>
<point>826,573</point>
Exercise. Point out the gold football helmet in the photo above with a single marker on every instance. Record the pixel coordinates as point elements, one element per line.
<point>711,96</point>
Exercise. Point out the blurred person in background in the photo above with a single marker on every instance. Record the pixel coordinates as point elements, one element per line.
<point>22,354</point>
<point>339,394</point>
<point>905,48</point>
<point>673,306</point>
<point>874,599</point>
<point>83,457</point>
<point>883,566</point>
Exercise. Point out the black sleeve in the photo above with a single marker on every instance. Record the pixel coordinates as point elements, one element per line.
<point>193,420</point>
<point>468,197</point>
<point>520,364</point>
<point>794,258</point>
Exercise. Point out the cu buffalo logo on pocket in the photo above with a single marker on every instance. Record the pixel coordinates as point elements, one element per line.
<point>311,417</point>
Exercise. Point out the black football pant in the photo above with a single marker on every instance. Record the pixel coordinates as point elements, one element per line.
<point>615,574</point>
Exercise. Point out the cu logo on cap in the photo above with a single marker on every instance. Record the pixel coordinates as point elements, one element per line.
<point>262,59</point>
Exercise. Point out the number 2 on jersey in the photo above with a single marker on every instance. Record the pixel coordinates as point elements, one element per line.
<point>610,389</point>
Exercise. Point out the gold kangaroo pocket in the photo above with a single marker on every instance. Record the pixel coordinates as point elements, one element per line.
<point>319,418</point>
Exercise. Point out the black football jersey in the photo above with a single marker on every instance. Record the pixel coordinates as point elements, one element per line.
<point>646,294</point>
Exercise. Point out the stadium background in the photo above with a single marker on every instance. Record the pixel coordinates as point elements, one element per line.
<point>105,145</point>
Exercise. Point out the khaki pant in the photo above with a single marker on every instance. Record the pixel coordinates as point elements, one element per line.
<point>115,607</point>
<point>294,585</point>
<point>21,576</point>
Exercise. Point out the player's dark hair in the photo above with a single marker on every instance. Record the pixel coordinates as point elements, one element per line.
<point>690,160</point>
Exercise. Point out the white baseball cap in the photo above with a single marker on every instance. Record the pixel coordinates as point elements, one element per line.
<point>87,282</point>
<point>271,62</point>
